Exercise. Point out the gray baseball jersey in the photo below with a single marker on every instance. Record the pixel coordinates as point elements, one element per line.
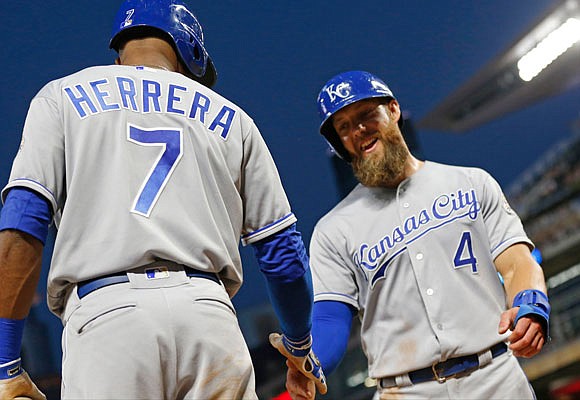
<point>142,164</point>
<point>417,264</point>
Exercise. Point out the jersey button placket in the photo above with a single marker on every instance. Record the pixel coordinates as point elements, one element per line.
<point>429,291</point>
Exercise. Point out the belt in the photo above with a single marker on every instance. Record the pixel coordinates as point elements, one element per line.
<point>89,286</point>
<point>453,367</point>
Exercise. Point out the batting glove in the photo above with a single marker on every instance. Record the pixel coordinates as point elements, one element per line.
<point>300,354</point>
<point>16,384</point>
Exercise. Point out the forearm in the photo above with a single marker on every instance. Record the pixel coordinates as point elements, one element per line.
<point>292,303</point>
<point>20,266</point>
<point>528,313</point>
<point>528,277</point>
<point>24,223</point>
<point>331,324</point>
<point>285,265</point>
<point>520,271</point>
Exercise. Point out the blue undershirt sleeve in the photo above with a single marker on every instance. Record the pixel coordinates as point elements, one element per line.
<point>26,211</point>
<point>11,331</point>
<point>331,324</point>
<point>285,265</point>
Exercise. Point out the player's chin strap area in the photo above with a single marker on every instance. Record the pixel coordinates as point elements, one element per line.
<point>452,368</point>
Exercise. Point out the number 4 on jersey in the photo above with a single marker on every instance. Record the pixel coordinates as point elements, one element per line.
<point>171,143</point>
<point>464,254</point>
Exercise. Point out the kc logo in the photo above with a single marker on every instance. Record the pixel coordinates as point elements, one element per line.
<point>341,90</point>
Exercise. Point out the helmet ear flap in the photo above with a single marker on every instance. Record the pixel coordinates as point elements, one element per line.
<point>192,56</point>
<point>333,140</point>
<point>196,52</point>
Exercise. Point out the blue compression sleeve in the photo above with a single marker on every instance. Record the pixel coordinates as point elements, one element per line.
<point>282,256</point>
<point>26,211</point>
<point>10,339</point>
<point>283,261</point>
<point>331,323</point>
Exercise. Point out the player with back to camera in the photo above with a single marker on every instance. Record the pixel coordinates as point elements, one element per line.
<point>414,251</point>
<point>152,179</point>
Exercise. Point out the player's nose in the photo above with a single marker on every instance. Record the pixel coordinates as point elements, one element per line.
<point>359,129</point>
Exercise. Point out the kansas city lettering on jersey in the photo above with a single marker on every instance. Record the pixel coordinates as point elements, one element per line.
<point>445,209</point>
<point>146,96</point>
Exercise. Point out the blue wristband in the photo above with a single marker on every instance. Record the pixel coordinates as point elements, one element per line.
<point>299,348</point>
<point>10,339</point>
<point>533,302</point>
<point>10,369</point>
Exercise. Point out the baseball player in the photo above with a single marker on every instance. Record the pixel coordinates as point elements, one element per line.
<point>414,251</point>
<point>152,180</point>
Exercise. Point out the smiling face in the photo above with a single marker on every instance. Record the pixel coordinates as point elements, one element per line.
<point>369,132</point>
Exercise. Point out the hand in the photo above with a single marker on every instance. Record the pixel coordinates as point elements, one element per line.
<point>20,387</point>
<point>527,337</point>
<point>299,386</point>
<point>302,358</point>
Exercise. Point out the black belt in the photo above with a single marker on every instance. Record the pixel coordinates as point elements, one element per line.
<point>89,286</point>
<point>446,369</point>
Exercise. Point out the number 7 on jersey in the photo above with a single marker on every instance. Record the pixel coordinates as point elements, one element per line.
<point>171,143</point>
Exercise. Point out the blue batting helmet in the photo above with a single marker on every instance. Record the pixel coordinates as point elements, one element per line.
<point>173,18</point>
<point>342,90</point>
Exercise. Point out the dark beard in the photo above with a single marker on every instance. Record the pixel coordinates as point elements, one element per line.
<point>383,170</point>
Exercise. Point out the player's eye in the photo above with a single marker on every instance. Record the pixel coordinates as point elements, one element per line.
<point>342,127</point>
<point>339,126</point>
<point>370,113</point>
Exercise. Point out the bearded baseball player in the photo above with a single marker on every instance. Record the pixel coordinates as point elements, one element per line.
<point>416,251</point>
<point>152,180</point>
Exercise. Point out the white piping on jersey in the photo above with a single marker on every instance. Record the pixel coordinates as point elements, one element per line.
<point>247,236</point>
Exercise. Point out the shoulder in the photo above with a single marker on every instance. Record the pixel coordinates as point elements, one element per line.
<point>346,211</point>
<point>56,85</point>
<point>468,172</point>
<point>459,169</point>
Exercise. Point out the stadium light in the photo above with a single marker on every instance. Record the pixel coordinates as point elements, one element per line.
<point>550,48</point>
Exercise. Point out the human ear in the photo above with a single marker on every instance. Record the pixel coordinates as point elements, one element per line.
<point>394,109</point>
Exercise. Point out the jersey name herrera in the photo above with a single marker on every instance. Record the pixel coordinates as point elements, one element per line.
<point>444,209</point>
<point>149,96</point>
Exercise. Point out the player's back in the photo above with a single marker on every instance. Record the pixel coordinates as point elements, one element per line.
<point>144,164</point>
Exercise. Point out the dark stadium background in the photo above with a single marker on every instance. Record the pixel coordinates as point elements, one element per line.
<point>272,58</point>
